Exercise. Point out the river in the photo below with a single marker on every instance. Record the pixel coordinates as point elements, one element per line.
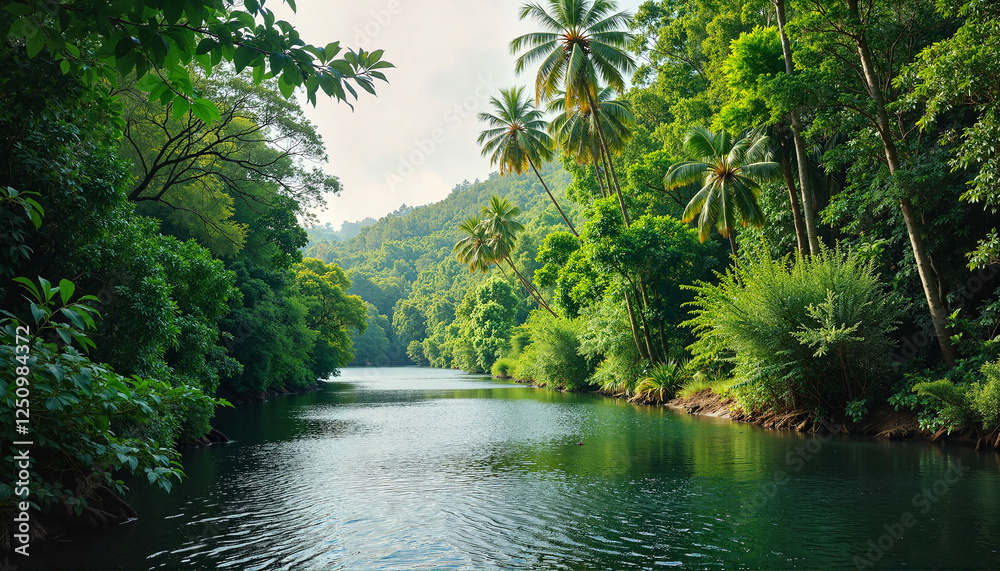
<point>422,468</point>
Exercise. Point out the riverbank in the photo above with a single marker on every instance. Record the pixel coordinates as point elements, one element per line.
<point>882,422</point>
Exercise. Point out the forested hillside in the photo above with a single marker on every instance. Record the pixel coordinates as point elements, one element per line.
<point>404,268</point>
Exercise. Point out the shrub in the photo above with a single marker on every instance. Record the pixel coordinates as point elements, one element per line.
<point>802,332</point>
<point>554,354</point>
<point>89,423</point>
<point>502,368</point>
<point>661,384</point>
<point>965,404</point>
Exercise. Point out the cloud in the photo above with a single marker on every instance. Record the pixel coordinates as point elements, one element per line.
<point>451,56</point>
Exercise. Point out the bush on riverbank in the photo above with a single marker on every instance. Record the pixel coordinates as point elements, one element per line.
<point>966,404</point>
<point>553,357</point>
<point>803,333</point>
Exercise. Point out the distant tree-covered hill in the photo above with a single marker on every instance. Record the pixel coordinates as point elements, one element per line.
<point>404,266</point>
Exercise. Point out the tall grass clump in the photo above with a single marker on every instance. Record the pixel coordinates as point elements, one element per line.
<point>661,383</point>
<point>803,333</point>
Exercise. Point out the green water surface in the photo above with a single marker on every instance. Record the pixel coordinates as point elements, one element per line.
<point>408,468</point>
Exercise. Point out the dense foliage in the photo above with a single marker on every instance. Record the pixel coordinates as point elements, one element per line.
<point>843,150</point>
<point>164,193</point>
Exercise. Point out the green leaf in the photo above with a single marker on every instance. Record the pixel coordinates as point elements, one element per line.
<point>73,317</point>
<point>284,87</point>
<point>149,82</point>
<point>46,288</point>
<point>205,46</point>
<point>19,10</point>
<point>331,50</point>
<point>30,286</point>
<point>66,289</point>
<point>180,107</point>
<point>243,57</point>
<point>291,4</point>
<point>37,313</point>
<point>205,110</point>
<point>34,42</point>
<point>245,20</point>
<point>124,47</point>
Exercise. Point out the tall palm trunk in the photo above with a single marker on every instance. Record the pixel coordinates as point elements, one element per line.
<point>938,310</point>
<point>534,293</point>
<point>802,159</point>
<point>607,174</point>
<point>552,198</point>
<point>600,182</point>
<point>604,148</point>
<point>646,333</point>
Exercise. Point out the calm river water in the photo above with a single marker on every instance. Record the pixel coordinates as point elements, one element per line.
<point>407,468</point>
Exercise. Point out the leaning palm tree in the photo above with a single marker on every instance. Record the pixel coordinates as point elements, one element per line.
<point>501,229</point>
<point>730,172</point>
<point>474,248</point>
<point>517,139</point>
<point>582,42</point>
<point>575,131</point>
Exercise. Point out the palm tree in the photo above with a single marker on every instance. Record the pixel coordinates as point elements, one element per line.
<point>491,241</point>
<point>516,138</point>
<point>730,172</point>
<point>582,42</point>
<point>576,130</point>
<point>473,249</point>
<point>501,229</point>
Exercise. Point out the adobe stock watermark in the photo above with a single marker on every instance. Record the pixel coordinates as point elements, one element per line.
<point>460,112</point>
<point>895,530</point>
<point>795,461</point>
<point>380,20</point>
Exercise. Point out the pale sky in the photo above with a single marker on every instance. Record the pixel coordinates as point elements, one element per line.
<point>415,141</point>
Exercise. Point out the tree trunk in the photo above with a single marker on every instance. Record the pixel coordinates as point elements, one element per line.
<point>535,295</point>
<point>600,183</point>
<point>552,198</point>
<point>938,310</point>
<point>634,327</point>
<point>800,231</point>
<point>607,155</point>
<point>607,174</point>
<point>732,243</point>
<point>663,335</point>
<point>647,336</point>
<point>802,158</point>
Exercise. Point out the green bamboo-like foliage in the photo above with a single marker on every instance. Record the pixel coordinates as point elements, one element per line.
<point>804,333</point>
